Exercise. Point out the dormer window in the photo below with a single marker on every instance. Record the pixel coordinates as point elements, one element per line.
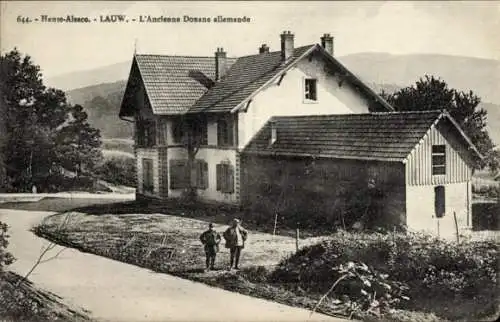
<point>310,89</point>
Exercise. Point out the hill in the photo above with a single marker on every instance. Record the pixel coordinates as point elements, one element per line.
<point>102,104</point>
<point>380,70</point>
<point>90,77</point>
<point>464,73</point>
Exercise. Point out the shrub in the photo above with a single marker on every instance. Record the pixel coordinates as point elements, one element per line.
<point>431,267</point>
<point>6,258</point>
<point>365,290</point>
<point>118,170</point>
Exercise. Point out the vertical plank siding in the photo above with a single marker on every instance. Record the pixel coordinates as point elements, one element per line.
<point>419,162</point>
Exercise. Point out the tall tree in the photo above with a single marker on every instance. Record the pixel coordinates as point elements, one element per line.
<point>431,93</point>
<point>77,143</point>
<point>35,117</point>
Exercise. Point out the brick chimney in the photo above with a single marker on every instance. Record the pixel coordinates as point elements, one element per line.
<point>220,63</point>
<point>286,45</point>
<point>327,43</point>
<point>263,49</point>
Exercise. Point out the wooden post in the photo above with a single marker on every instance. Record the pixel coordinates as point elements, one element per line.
<point>297,239</point>
<point>456,225</point>
<point>275,223</point>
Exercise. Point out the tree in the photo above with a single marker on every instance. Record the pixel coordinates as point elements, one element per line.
<point>430,93</point>
<point>36,118</point>
<point>78,143</point>
<point>195,129</point>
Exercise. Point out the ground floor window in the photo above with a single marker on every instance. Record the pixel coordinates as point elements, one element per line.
<point>147,177</point>
<point>439,201</point>
<point>225,177</point>
<point>180,174</point>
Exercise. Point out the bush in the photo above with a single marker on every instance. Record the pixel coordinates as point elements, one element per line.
<point>118,170</point>
<point>6,258</point>
<point>429,266</point>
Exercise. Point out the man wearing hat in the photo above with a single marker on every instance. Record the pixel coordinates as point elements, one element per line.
<point>210,239</point>
<point>235,237</point>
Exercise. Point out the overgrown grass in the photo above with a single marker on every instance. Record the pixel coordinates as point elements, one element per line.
<point>454,281</point>
<point>26,303</point>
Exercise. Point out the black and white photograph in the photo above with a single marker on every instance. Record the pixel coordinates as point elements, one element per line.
<point>283,161</point>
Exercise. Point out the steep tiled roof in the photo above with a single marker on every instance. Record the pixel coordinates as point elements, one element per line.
<point>246,76</point>
<point>377,136</point>
<point>169,80</point>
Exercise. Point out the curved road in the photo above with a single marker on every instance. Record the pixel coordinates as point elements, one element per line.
<point>115,291</point>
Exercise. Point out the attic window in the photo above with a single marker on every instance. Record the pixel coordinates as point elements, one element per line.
<point>438,159</point>
<point>310,89</point>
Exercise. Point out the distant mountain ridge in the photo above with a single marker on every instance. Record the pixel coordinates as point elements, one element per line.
<point>102,94</point>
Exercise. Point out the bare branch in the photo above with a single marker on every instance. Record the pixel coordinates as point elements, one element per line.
<point>45,249</point>
<point>53,257</point>
<point>327,293</point>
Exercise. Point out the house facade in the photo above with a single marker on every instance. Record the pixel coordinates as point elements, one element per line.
<point>197,118</point>
<point>217,104</point>
<point>409,170</point>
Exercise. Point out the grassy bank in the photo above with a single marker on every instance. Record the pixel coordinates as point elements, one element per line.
<point>169,244</point>
<point>24,302</point>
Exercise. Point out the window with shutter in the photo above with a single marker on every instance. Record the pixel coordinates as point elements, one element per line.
<point>179,176</point>
<point>147,178</point>
<point>225,178</point>
<point>225,132</point>
<point>146,133</point>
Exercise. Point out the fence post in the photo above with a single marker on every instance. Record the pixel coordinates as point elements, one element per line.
<point>275,223</point>
<point>297,239</point>
<point>456,225</point>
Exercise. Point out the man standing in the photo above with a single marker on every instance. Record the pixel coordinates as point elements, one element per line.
<point>210,240</point>
<point>235,237</point>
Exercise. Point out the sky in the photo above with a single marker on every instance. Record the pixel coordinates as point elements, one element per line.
<point>396,27</point>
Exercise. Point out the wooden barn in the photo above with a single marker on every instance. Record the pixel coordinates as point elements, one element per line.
<point>408,170</point>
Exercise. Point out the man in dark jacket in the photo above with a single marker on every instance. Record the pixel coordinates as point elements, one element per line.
<point>235,237</point>
<point>210,240</point>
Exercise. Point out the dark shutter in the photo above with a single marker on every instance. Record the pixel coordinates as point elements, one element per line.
<point>439,201</point>
<point>218,173</point>
<point>230,133</point>
<point>220,132</point>
<point>147,177</point>
<point>230,178</point>
<point>179,176</point>
<point>204,176</point>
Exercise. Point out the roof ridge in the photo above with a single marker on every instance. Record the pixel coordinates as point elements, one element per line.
<point>356,114</point>
<point>410,112</point>
<point>276,51</point>
<point>182,56</point>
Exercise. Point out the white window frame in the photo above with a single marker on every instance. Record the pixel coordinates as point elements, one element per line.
<point>305,91</point>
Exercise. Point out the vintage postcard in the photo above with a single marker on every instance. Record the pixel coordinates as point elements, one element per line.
<point>249,161</point>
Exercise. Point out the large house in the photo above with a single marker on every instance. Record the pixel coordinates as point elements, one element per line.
<point>231,127</point>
